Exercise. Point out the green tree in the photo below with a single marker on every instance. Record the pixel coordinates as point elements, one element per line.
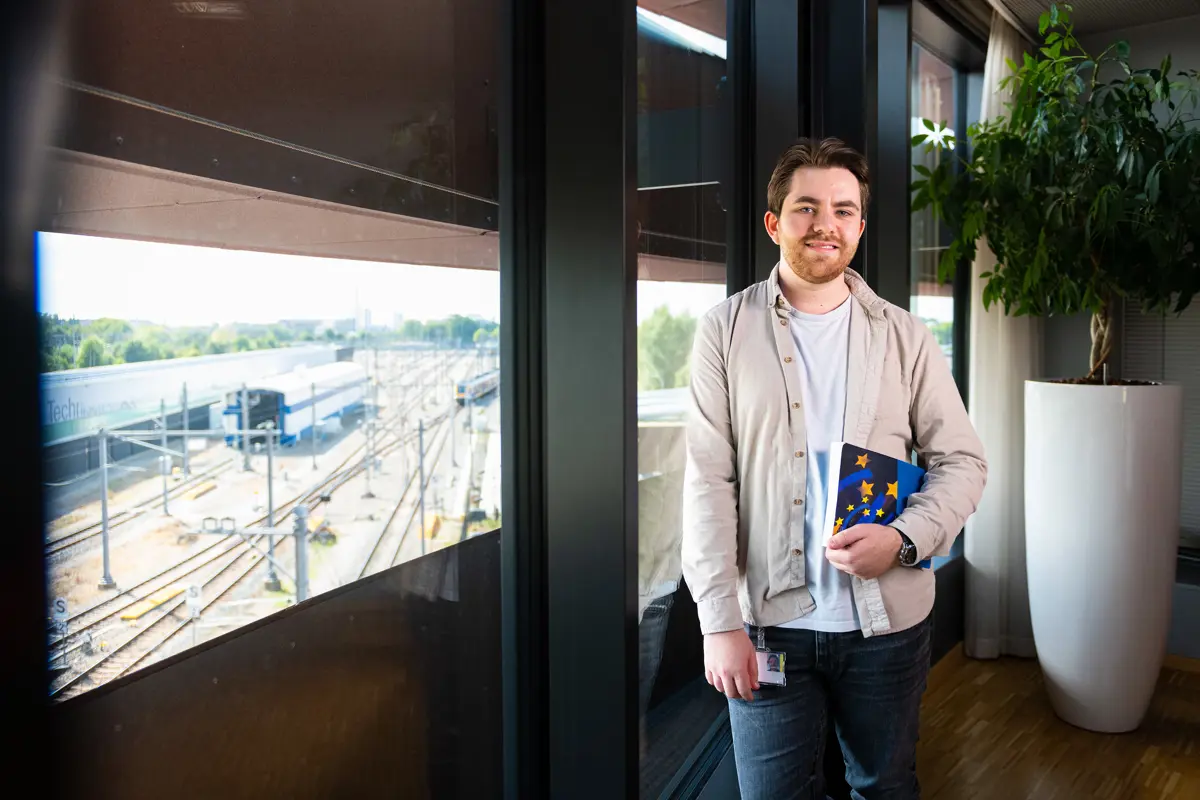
<point>109,330</point>
<point>664,344</point>
<point>138,350</point>
<point>58,358</point>
<point>943,332</point>
<point>92,353</point>
<point>413,329</point>
<point>242,344</point>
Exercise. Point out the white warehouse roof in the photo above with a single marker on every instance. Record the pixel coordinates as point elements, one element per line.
<point>301,379</point>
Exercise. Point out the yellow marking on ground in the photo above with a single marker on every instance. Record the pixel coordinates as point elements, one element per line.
<point>148,604</point>
<point>433,524</point>
<point>199,491</point>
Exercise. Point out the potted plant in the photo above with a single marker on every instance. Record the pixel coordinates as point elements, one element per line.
<point>1088,193</point>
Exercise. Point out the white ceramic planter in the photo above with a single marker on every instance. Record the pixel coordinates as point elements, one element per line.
<point>1102,491</point>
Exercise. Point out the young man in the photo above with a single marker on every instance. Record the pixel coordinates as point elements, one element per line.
<point>780,371</point>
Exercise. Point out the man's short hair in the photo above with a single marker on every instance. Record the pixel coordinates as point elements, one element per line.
<point>820,153</point>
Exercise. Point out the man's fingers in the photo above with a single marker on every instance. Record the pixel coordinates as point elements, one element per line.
<point>752,671</point>
<point>840,560</point>
<point>845,538</point>
<point>708,676</point>
<point>742,681</point>
<point>717,683</point>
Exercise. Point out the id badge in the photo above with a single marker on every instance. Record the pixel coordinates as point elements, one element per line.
<point>772,665</point>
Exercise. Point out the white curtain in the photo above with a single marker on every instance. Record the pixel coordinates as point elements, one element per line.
<point>1004,352</point>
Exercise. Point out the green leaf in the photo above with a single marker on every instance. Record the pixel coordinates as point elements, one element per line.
<point>1043,23</point>
<point>1123,50</point>
<point>1152,184</point>
<point>919,139</point>
<point>1054,37</point>
<point>921,169</point>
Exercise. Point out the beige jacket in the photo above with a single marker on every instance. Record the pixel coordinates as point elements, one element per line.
<point>745,479</point>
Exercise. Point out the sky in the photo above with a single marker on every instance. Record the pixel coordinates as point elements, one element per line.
<point>87,277</point>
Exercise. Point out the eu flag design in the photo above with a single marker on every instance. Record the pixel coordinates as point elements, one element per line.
<point>868,487</point>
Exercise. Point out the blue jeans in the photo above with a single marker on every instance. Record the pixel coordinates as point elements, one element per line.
<point>871,687</point>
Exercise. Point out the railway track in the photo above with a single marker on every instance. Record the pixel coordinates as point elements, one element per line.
<point>87,532</point>
<point>373,562</point>
<point>94,529</point>
<point>220,567</point>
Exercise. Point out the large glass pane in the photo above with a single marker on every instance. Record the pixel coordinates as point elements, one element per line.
<point>270,304</point>
<point>934,99</point>
<point>681,271</point>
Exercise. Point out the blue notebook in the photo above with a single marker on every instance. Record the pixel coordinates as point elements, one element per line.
<point>868,487</point>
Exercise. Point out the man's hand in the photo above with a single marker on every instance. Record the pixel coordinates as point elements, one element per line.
<point>865,551</point>
<point>730,664</point>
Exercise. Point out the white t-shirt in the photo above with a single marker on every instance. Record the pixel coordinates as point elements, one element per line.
<point>823,345</point>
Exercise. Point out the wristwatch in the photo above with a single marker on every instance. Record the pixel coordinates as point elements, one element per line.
<point>908,551</point>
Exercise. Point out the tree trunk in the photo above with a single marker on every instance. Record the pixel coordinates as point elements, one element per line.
<point>1102,339</point>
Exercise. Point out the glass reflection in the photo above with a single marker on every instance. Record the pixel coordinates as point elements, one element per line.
<point>269,307</point>
<point>681,270</point>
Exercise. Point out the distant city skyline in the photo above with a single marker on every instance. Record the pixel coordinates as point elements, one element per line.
<point>88,277</point>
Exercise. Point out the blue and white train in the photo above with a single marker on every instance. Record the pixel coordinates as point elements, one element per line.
<point>337,390</point>
<point>475,388</point>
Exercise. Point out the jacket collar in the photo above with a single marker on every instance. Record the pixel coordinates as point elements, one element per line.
<point>870,302</point>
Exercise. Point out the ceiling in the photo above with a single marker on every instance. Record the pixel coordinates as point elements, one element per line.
<point>1097,16</point>
<point>100,196</point>
<point>704,15</point>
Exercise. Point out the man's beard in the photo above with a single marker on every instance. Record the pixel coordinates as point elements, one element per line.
<point>813,268</point>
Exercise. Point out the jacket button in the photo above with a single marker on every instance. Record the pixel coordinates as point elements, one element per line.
<point>797,553</point>
<point>795,405</point>
<point>783,322</point>
<point>799,454</point>
<point>797,501</point>
<point>787,359</point>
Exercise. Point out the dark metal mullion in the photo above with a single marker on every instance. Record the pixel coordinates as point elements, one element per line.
<point>739,169</point>
<point>522,345</point>
<point>30,52</point>
<point>889,222</point>
<point>589,416</point>
<point>780,108</point>
<point>962,275</point>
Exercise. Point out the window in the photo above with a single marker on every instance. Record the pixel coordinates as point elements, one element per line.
<point>681,269</point>
<point>934,95</point>
<point>269,342</point>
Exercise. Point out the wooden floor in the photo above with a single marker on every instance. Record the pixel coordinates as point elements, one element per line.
<point>988,732</point>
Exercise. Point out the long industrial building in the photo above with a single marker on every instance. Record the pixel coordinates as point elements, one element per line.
<point>78,403</point>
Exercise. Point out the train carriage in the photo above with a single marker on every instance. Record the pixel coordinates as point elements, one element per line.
<point>288,400</point>
<point>477,387</point>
